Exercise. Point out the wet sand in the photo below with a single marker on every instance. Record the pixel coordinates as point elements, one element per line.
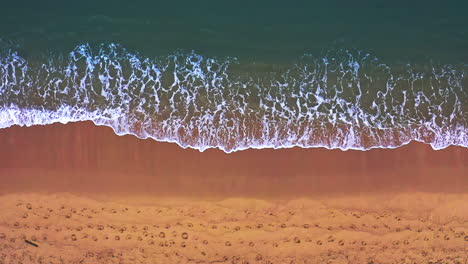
<point>84,195</point>
<point>80,157</point>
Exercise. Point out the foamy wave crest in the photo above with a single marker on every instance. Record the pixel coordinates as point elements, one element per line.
<point>343,99</point>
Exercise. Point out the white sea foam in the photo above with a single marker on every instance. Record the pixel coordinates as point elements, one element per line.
<point>344,99</point>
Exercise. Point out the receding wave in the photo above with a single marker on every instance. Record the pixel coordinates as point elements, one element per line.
<point>341,99</point>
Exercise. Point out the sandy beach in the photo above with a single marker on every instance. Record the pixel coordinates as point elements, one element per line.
<point>392,228</point>
<point>223,132</point>
<point>78,193</point>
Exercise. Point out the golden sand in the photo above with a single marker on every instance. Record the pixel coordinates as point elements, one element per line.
<point>392,228</point>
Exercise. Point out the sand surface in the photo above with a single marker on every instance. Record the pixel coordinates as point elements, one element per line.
<point>85,195</point>
<point>87,158</point>
<point>367,228</point>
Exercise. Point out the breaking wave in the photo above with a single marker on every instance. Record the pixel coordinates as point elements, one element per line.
<point>342,99</point>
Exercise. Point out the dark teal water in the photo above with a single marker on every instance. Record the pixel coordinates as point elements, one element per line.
<point>393,30</point>
<point>233,75</point>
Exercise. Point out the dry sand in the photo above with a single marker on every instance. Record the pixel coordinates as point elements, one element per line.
<point>393,228</point>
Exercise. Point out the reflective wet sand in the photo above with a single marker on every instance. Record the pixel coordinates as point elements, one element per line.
<point>81,157</point>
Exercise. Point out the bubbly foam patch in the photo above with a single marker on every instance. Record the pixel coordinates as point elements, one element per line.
<point>343,99</point>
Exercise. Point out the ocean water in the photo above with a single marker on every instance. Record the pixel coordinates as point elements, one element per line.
<point>233,76</point>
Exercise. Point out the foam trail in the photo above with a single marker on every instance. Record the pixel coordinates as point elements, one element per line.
<point>343,99</point>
